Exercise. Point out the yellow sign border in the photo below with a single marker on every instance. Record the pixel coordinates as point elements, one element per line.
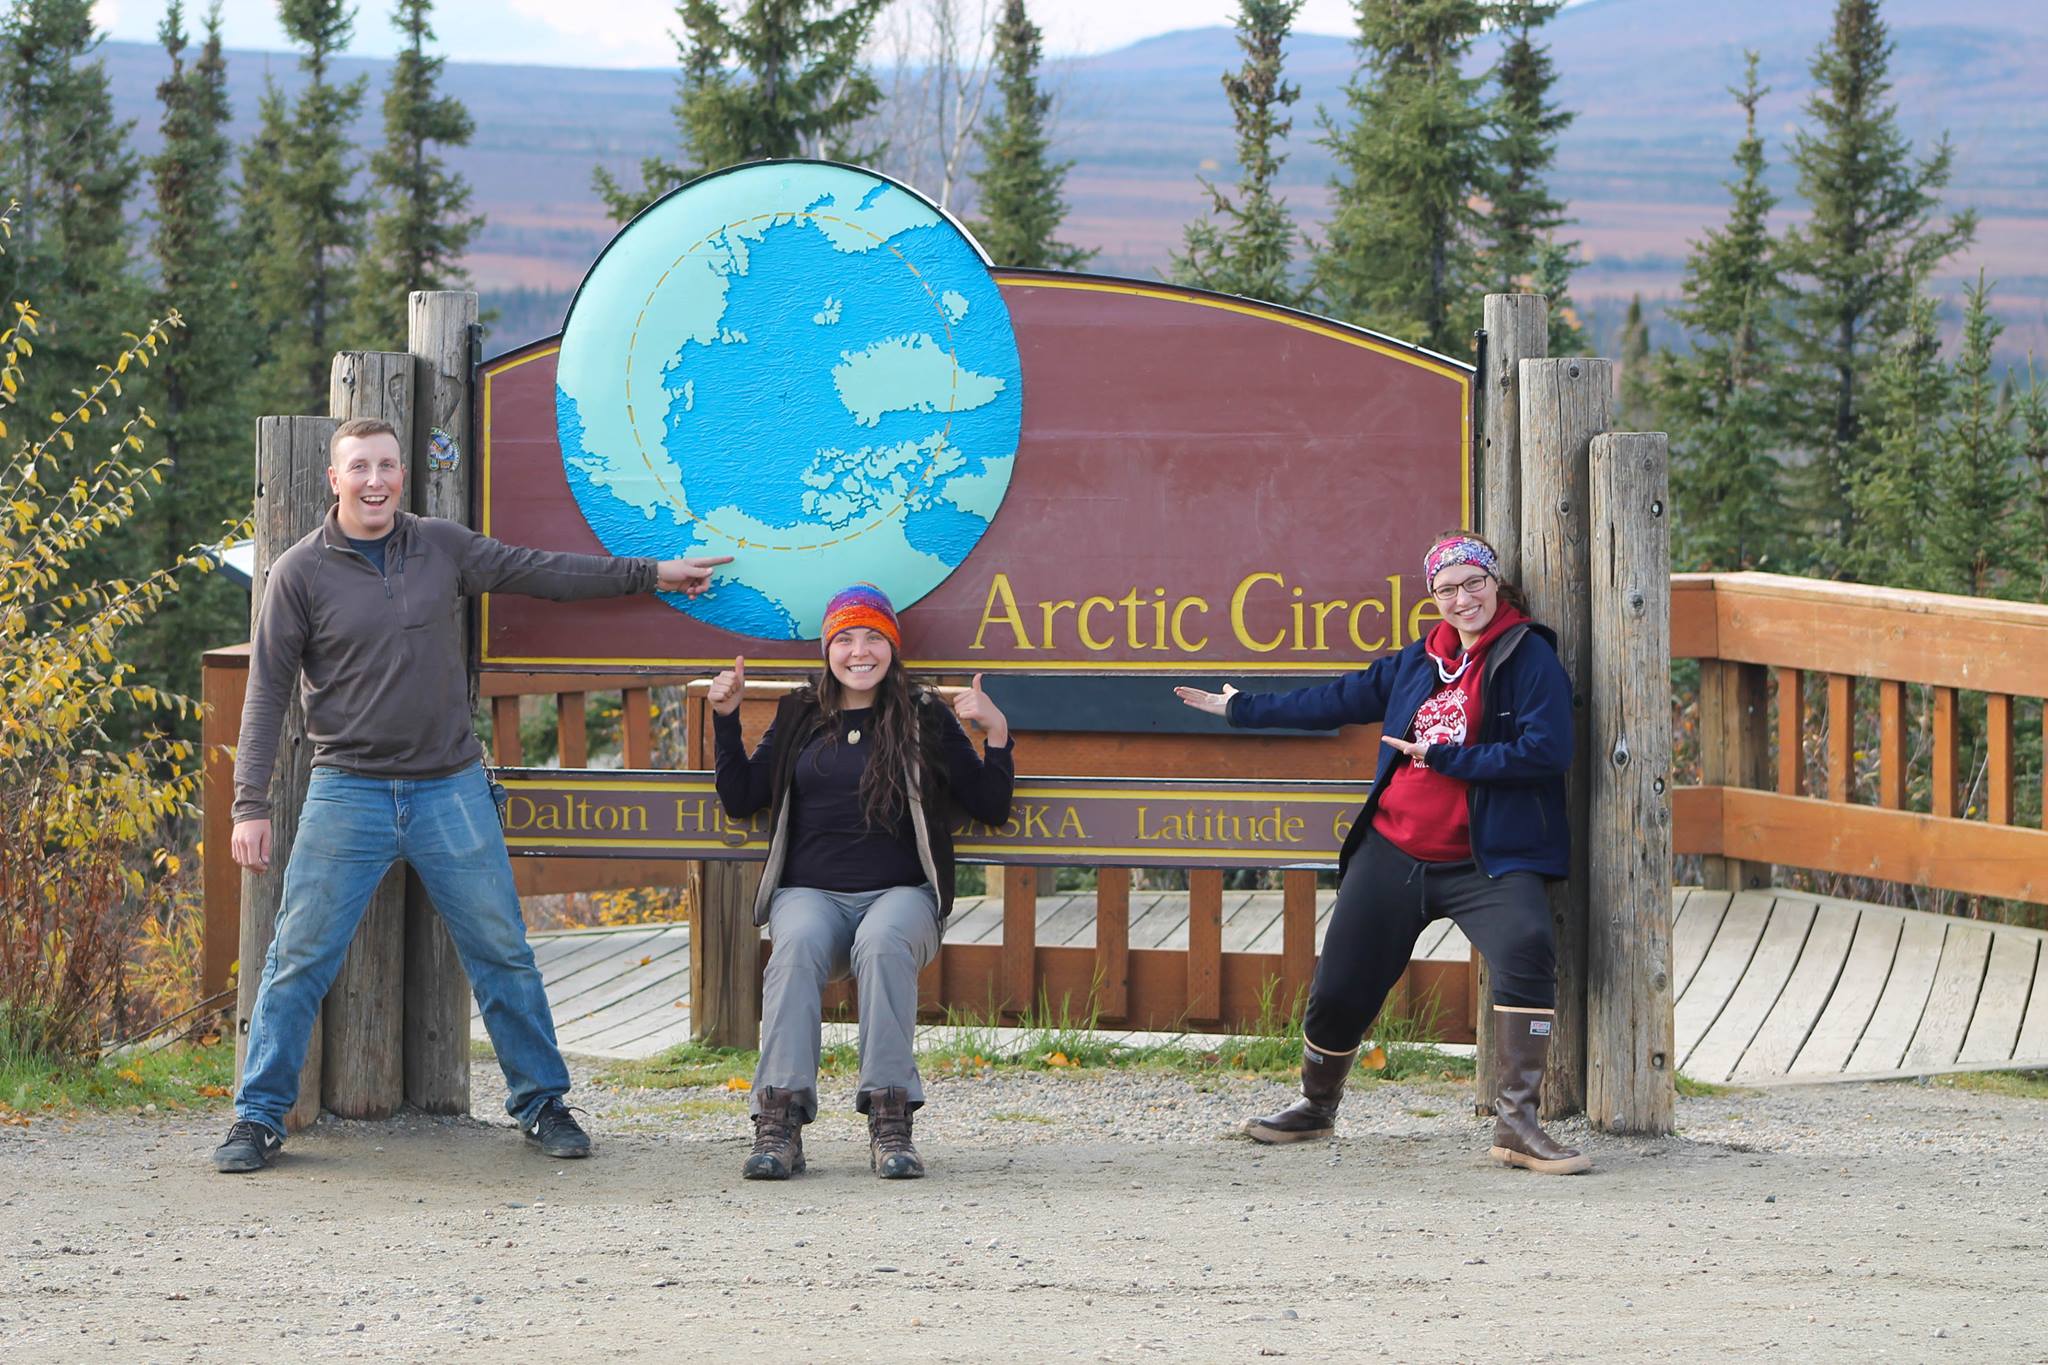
<point>1365,341</point>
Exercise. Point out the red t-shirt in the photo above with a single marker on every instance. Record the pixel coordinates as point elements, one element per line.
<point>1422,812</point>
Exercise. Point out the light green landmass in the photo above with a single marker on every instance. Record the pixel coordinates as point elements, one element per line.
<point>865,229</point>
<point>955,304</point>
<point>850,485</point>
<point>908,374</point>
<point>981,493</point>
<point>828,316</point>
<point>791,580</point>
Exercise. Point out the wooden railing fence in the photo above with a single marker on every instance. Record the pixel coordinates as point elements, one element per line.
<point>1776,651</point>
<point>1203,988</point>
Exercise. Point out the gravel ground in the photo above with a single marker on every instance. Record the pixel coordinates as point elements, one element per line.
<point>1097,1216</point>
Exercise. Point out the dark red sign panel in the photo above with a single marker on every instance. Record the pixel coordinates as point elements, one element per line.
<point>1202,485</point>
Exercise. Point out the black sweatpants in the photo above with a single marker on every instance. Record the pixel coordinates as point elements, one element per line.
<point>1386,900</point>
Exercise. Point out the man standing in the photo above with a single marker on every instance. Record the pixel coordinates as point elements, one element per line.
<point>366,614</point>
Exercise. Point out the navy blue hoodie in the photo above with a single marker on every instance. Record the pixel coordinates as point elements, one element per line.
<point>1514,766</point>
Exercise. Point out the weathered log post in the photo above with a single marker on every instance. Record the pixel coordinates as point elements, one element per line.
<point>1517,329</point>
<point>291,501</point>
<point>440,333</point>
<point>1629,1065</point>
<point>1565,403</point>
<point>362,1073</point>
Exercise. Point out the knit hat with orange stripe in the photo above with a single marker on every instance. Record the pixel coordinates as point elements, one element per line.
<point>863,604</point>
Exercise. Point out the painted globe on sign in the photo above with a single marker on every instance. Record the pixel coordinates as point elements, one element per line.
<point>805,366</point>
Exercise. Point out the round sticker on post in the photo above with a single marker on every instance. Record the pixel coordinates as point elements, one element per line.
<point>442,452</point>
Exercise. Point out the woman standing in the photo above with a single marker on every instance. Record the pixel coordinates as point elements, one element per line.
<point>856,772</point>
<point>1466,818</point>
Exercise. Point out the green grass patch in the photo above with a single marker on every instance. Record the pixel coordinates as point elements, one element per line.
<point>1059,1038</point>
<point>182,1076</point>
<point>686,1064</point>
<point>1699,1090</point>
<point>702,1107</point>
<point>2021,1085</point>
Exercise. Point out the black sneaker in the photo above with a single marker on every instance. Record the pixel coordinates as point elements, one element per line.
<point>556,1131</point>
<point>250,1146</point>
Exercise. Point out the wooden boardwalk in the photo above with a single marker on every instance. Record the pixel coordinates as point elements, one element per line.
<point>1772,987</point>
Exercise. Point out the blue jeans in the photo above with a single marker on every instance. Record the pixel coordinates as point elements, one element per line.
<point>350,832</point>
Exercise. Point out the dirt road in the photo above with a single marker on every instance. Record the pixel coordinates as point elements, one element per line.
<point>1091,1217</point>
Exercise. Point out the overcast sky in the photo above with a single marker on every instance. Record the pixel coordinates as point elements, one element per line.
<point>635,32</point>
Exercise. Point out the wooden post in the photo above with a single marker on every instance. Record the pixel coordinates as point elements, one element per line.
<point>1517,329</point>
<point>725,955</point>
<point>291,500</point>
<point>1629,1061</point>
<point>1020,940</point>
<point>362,1073</point>
<point>1565,403</point>
<point>725,943</point>
<point>436,1044</point>
<point>223,682</point>
<point>1112,943</point>
<point>1735,751</point>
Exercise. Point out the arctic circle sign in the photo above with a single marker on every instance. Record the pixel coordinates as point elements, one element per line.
<point>802,365</point>
<point>808,367</point>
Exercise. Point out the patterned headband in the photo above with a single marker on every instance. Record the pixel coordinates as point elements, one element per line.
<point>863,604</point>
<point>1457,550</point>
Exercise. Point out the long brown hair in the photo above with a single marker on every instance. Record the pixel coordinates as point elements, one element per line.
<point>1509,593</point>
<point>885,791</point>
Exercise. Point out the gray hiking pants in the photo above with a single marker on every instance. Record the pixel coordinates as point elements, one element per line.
<point>883,938</point>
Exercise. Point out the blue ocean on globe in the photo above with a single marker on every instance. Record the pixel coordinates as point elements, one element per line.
<point>805,366</point>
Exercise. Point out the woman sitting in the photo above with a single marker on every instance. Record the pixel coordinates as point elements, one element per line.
<point>857,772</point>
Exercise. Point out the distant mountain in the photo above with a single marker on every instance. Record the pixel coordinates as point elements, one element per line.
<point>1642,165</point>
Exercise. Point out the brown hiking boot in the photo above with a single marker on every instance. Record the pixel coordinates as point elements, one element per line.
<point>778,1138</point>
<point>890,1151</point>
<point>1314,1115</point>
<point>1523,1046</point>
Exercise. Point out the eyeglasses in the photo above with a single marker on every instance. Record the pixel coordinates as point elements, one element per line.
<point>1472,587</point>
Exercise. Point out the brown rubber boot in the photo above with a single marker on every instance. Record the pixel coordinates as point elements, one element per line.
<point>1518,1139</point>
<point>890,1151</point>
<point>1314,1115</point>
<point>778,1138</point>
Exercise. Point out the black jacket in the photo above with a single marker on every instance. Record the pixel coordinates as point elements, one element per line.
<point>1514,766</point>
<point>951,772</point>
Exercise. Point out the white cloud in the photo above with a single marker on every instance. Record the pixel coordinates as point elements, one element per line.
<point>614,32</point>
<point>635,33</point>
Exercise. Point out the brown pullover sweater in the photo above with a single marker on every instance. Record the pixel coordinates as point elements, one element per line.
<point>380,657</point>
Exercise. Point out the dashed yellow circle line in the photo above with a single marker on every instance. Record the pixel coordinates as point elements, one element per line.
<point>678,497</point>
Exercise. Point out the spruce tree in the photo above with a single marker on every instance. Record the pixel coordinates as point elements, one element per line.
<point>1723,401</point>
<point>1871,234</point>
<point>2030,420</point>
<point>202,411</point>
<point>1019,189</point>
<point>71,167</point>
<point>1403,254</point>
<point>1246,244</point>
<point>1636,405</point>
<point>420,224</point>
<point>1524,213</point>
<point>780,78</point>
<point>1552,279</point>
<point>1890,491</point>
<point>303,222</point>
<point>1975,543</point>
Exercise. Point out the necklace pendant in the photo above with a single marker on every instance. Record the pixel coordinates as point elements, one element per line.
<point>853,736</point>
